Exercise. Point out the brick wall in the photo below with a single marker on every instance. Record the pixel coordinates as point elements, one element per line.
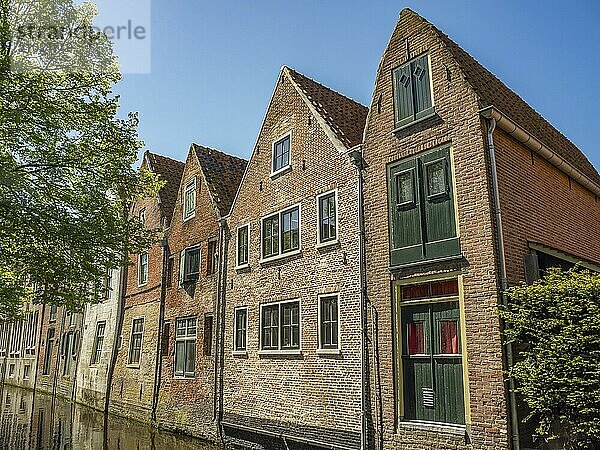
<point>316,396</point>
<point>457,123</point>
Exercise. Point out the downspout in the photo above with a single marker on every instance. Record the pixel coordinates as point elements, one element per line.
<point>356,159</point>
<point>514,420</point>
<point>164,243</point>
<point>38,349</point>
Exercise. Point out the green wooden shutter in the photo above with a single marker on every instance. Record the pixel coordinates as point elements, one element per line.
<point>406,243</point>
<point>421,87</point>
<point>447,369</point>
<point>403,96</point>
<point>440,228</point>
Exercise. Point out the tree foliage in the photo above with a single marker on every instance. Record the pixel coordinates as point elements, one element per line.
<point>557,322</point>
<point>66,158</point>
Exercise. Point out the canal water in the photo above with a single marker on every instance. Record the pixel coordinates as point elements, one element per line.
<point>40,421</point>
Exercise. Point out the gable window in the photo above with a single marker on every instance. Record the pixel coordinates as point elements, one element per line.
<point>243,235</point>
<point>240,333</point>
<point>412,91</point>
<point>281,154</point>
<point>143,269</point>
<point>143,216</point>
<point>280,326</point>
<point>275,242</point>
<point>211,258</point>
<point>98,342</point>
<point>189,199</point>
<point>185,347</point>
<point>327,228</point>
<point>421,205</point>
<point>189,264</point>
<point>135,344</point>
<point>430,347</point>
<point>328,322</point>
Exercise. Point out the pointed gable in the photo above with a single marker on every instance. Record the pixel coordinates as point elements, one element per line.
<point>170,171</point>
<point>223,174</point>
<point>493,92</point>
<point>345,117</point>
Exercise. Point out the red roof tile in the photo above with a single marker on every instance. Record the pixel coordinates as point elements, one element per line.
<point>171,171</point>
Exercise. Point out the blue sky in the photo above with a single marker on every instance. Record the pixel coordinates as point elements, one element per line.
<point>214,63</point>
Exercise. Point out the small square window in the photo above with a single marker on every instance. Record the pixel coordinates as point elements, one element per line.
<point>189,265</point>
<point>416,338</point>
<point>437,185</point>
<point>448,337</point>
<point>281,154</point>
<point>405,189</point>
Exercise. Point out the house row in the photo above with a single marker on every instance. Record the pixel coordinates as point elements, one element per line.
<point>340,288</point>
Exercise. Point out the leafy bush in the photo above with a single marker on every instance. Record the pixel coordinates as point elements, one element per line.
<point>556,323</point>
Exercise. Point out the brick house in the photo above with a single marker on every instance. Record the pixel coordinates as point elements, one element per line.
<point>133,381</point>
<point>292,359</point>
<point>467,189</point>
<point>187,379</point>
<point>97,343</point>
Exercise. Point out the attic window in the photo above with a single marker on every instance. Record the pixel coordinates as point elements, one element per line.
<point>189,199</point>
<point>281,154</point>
<point>412,91</point>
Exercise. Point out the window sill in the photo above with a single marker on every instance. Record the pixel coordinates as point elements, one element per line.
<point>445,428</point>
<point>424,262</point>
<point>280,352</point>
<point>329,351</point>
<point>185,219</point>
<point>239,353</point>
<point>142,285</point>
<point>280,256</point>
<point>242,266</point>
<point>414,122</point>
<point>133,366</point>
<point>281,171</point>
<point>327,243</point>
<point>181,378</point>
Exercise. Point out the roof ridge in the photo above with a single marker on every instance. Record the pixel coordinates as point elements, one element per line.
<point>204,147</point>
<point>324,86</point>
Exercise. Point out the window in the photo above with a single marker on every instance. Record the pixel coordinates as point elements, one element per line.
<point>11,371</point>
<point>68,348</point>
<point>189,199</point>
<point>243,235</point>
<point>274,242</point>
<point>189,264</point>
<point>328,322</point>
<point>430,349</point>
<point>211,258</point>
<point>170,268</point>
<point>53,311</point>
<point>26,371</point>
<point>327,231</point>
<point>143,269</point>
<point>240,333</point>
<point>72,319</point>
<point>208,331</point>
<point>49,349</point>
<point>135,345</point>
<point>421,205</point>
<point>142,216</point>
<point>412,91</point>
<point>108,291</point>
<point>280,326</point>
<point>185,347</point>
<point>98,342</point>
<point>281,154</point>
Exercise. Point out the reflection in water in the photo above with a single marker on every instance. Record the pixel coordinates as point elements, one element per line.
<point>29,422</point>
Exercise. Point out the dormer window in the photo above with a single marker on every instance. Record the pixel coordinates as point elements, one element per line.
<point>412,91</point>
<point>189,199</point>
<point>281,154</point>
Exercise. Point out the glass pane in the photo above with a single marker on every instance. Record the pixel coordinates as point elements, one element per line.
<point>190,359</point>
<point>415,291</point>
<point>444,288</point>
<point>405,188</point>
<point>436,178</point>
<point>416,338</point>
<point>448,337</point>
<point>179,357</point>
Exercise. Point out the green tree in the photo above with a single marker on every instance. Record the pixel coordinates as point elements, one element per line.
<point>556,321</point>
<point>67,173</point>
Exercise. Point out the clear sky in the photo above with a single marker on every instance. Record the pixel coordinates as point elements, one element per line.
<point>214,63</point>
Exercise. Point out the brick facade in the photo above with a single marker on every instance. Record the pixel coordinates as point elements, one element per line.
<point>303,394</point>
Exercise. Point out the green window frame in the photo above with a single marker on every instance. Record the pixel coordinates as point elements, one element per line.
<point>98,342</point>
<point>281,154</point>
<point>189,264</point>
<point>135,343</point>
<point>280,232</point>
<point>328,226</point>
<point>329,326</point>
<point>185,347</point>
<point>243,250</point>
<point>241,329</point>
<point>413,99</point>
<point>422,221</point>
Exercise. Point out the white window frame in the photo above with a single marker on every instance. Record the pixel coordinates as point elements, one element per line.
<point>337,219</point>
<point>237,351</point>
<point>190,185</point>
<point>142,216</point>
<point>140,283</point>
<point>182,258</point>
<point>136,365</point>
<point>186,338</point>
<point>279,350</point>
<point>95,361</point>
<point>237,246</point>
<point>320,349</point>
<point>283,169</point>
<point>279,213</point>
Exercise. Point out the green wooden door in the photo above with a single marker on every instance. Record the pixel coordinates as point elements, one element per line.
<point>432,363</point>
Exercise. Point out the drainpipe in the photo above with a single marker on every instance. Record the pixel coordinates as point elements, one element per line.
<point>164,243</point>
<point>38,349</point>
<point>356,159</point>
<point>512,400</point>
